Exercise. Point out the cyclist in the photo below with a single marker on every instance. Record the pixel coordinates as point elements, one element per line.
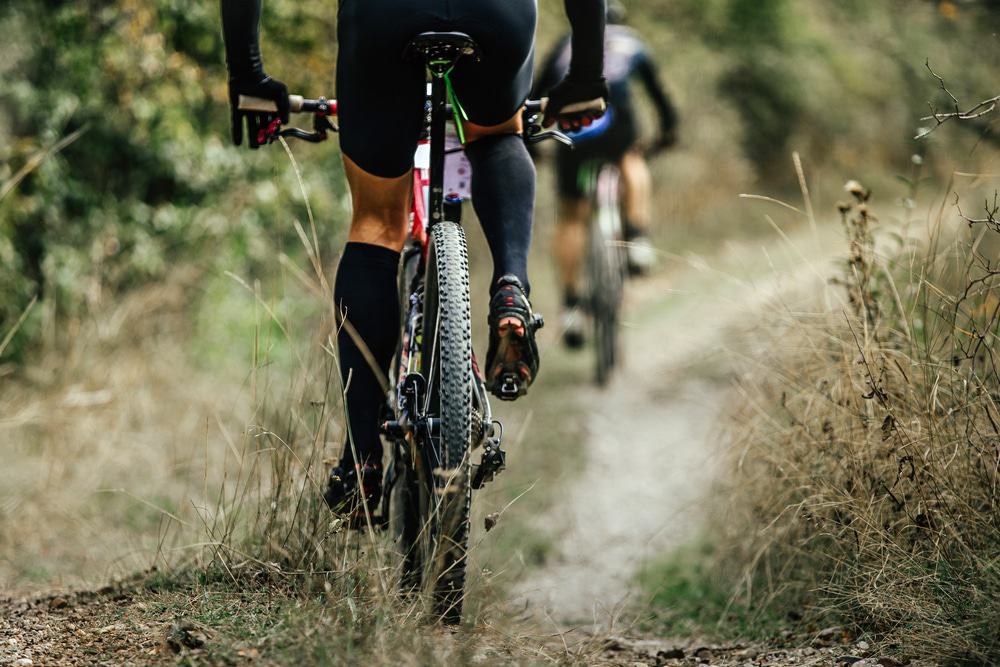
<point>380,108</point>
<point>614,138</point>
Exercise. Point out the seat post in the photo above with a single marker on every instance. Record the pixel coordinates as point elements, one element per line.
<point>439,99</point>
<point>439,52</point>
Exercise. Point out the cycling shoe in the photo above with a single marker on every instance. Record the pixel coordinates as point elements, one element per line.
<point>641,255</point>
<point>343,494</point>
<point>512,358</point>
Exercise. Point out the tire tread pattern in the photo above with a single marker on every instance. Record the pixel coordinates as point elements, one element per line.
<point>454,347</point>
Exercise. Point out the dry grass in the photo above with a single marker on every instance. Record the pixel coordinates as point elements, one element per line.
<point>122,455</point>
<point>866,456</point>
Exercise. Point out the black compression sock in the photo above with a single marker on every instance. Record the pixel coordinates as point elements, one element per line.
<point>503,193</point>
<point>366,293</point>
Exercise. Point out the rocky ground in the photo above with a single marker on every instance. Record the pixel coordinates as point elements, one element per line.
<point>115,626</point>
<point>86,628</point>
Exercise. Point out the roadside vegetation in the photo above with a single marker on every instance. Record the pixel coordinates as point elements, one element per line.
<point>859,496</point>
<point>861,481</point>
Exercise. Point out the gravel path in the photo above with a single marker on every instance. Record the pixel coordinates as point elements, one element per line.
<point>654,433</point>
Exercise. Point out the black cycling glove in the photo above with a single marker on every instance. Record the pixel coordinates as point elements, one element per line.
<point>576,103</point>
<point>241,33</point>
<point>260,125</point>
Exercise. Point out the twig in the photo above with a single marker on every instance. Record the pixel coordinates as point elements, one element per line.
<point>37,159</point>
<point>981,109</point>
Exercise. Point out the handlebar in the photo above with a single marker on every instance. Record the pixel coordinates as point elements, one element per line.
<point>323,109</point>
<point>296,104</point>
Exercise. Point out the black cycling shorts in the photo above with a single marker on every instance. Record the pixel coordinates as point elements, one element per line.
<point>572,163</point>
<point>380,98</point>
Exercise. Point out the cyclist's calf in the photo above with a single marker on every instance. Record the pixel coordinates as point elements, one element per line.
<point>381,207</point>
<point>637,186</point>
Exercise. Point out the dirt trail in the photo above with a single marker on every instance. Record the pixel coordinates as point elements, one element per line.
<point>653,435</point>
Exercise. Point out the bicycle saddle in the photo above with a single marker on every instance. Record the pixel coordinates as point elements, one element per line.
<point>446,47</point>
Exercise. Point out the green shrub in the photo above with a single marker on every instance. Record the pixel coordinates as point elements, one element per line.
<point>150,181</point>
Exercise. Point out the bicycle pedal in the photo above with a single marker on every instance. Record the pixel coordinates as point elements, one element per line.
<point>510,387</point>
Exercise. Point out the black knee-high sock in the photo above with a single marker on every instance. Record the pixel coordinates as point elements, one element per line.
<point>366,293</point>
<point>503,193</point>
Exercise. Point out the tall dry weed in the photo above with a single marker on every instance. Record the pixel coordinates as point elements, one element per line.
<point>867,448</point>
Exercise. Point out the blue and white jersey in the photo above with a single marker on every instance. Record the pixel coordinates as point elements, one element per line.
<point>625,58</point>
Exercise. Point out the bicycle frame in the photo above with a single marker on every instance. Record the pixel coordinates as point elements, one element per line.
<point>427,211</point>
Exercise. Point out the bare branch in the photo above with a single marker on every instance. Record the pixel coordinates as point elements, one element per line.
<point>940,118</point>
<point>991,220</point>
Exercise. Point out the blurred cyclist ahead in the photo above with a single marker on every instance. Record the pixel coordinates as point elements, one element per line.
<point>611,139</point>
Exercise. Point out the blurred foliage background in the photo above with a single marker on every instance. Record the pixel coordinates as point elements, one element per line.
<point>149,181</point>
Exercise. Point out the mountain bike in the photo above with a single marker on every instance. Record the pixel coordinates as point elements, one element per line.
<point>437,411</point>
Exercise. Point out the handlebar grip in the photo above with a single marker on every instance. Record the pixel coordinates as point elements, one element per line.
<point>597,104</point>
<point>261,105</point>
<point>536,106</point>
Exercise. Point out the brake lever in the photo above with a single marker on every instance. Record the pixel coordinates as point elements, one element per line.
<point>536,134</point>
<point>321,125</point>
<point>543,135</point>
<point>296,133</point>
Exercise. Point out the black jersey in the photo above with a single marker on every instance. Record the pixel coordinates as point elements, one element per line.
<point>381,97</point>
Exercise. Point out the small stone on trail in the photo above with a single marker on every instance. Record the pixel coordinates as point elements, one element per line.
<point>57,603</point>
<point>829,637</point>
<point>671,654</point>
<point>491,520</point>
<point>704,654</point>
<point>187,635</point>
<point>23,662</point>
<point>615,644</point>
